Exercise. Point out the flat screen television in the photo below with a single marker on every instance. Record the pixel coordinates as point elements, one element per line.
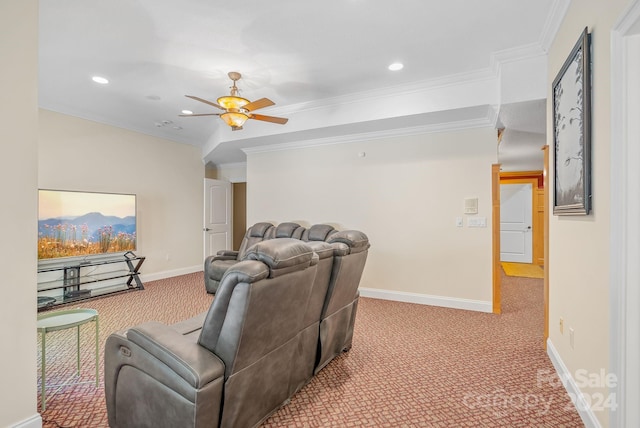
<point>81,224</point>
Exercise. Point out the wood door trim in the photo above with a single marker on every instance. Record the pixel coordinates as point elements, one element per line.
<point>520,174</point>
<point>514,176</point>
<point>495,238</point>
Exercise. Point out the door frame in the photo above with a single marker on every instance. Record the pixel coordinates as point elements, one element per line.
<point>536,178</point>
<point>624,296</point>
<point>495,238</point>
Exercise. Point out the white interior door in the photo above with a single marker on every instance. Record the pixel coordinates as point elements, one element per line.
<point>516,237</point>
<point>217,216</point>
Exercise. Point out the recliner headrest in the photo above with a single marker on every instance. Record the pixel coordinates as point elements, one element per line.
<point>282,255</point>
<point>319,232</point>
<point>258,230</point>
<point>289,230</point>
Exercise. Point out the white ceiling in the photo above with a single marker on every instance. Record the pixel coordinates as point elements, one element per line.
<point>323,63</point>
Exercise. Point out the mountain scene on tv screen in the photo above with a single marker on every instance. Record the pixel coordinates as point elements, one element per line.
<point>91,233</point>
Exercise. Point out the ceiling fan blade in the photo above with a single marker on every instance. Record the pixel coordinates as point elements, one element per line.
<point>273,119</point>
<point>257,104</point>
<point>203,114</point>
<point>202,100</point>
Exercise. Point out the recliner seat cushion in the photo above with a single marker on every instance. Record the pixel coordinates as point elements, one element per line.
<point>216,270</point>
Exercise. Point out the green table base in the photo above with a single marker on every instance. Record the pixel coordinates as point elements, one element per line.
<point>62,320</point>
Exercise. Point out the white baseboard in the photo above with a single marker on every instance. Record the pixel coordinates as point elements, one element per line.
<point>34,421</point>
<point>169,273</point>
<point>425,299</point>
<point>584,409</point>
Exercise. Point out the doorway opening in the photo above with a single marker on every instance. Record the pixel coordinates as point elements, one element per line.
<point>535,181</point>
<point>239,212</point>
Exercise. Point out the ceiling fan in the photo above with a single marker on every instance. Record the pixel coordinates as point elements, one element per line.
<point>237,109</point>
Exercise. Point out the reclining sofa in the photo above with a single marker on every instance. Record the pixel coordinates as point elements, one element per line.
<point>215,266</point>
<point>280,314</point>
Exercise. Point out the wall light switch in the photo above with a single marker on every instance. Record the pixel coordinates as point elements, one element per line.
<point>477,222</point>
<point>459,222</point>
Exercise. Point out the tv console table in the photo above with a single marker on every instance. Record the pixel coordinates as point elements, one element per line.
<point>79,280</point>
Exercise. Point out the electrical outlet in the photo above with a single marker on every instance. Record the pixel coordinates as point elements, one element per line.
<point>561,326</point>
<point>571,337</point>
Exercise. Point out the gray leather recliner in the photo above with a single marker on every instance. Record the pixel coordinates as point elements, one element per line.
<point>338,315</point>
<point>230,367</point>
<point>309,335</point>
<point>216,266</point>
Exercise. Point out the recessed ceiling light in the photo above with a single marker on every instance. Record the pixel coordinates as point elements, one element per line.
<point>396,66</point>
<point>100,80</point>
<point>187,112</point>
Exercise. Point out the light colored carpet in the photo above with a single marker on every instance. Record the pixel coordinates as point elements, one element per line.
<point>523,270</point>
<point>410,365</point>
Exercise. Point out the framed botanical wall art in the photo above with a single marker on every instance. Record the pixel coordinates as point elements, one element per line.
<point>572,131</point>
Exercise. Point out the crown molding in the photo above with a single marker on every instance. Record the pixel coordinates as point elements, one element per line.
<point>367,136</point>
<point>493,115</point>
<point>396,90</point>
<point>520,53</point>
<point>553,22</point>
<point>461,84</point>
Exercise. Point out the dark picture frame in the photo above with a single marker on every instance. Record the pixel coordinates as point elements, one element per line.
<point>572,131</point>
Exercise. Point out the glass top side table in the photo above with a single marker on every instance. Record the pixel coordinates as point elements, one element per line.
<point>61,320</point>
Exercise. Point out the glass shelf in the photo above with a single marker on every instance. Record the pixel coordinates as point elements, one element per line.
<point>79,281</point>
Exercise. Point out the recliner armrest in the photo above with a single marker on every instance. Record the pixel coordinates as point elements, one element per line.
<point>222,257</point>
<point>192,362</point>
<point>228,253</point>
<point>354,239</point>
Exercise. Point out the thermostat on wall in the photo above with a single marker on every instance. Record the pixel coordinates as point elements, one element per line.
<point>471,206</point>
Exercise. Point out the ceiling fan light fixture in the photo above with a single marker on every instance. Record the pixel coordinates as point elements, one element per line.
<point>232,102</point>
<point>238,110</point>
<point>234,119</point>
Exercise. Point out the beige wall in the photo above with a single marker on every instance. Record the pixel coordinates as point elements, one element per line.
<point>404,194</point>
<point>167,177</point>
<point>233,172</point>
<point>579,245</point>
<point>18,189</point>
